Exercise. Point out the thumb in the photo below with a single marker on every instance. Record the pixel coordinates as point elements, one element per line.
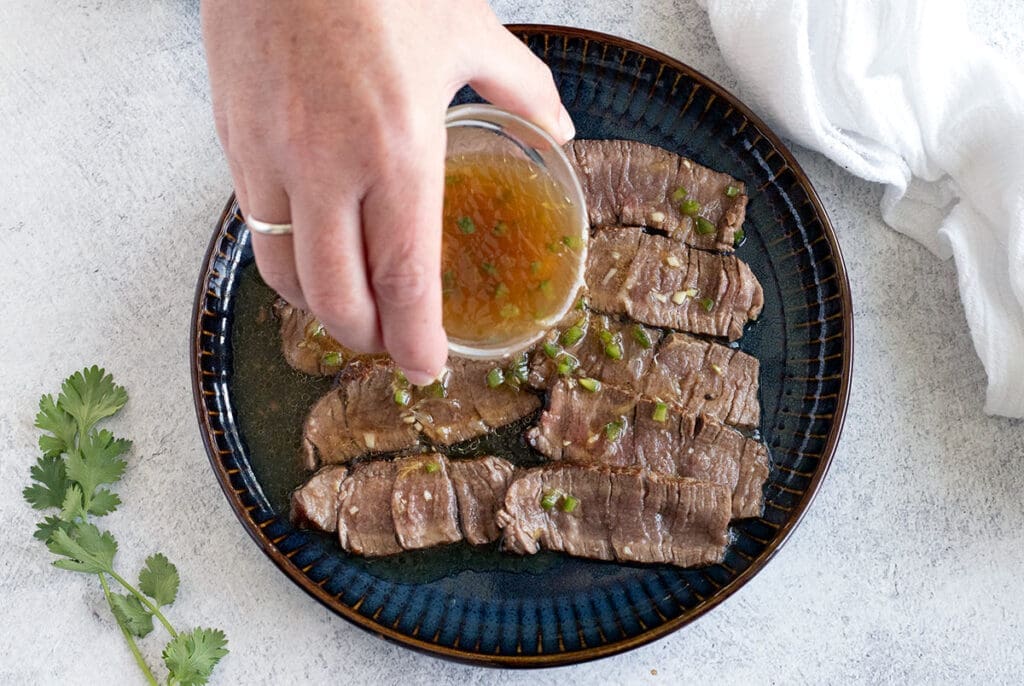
<point>513,78</point>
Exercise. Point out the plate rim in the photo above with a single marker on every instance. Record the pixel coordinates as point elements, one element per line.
<point>293,572</point>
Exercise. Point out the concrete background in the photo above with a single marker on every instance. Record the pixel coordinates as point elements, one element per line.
<point>907,569</point>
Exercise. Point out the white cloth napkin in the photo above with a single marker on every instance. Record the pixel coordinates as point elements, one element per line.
<point>901,93</point>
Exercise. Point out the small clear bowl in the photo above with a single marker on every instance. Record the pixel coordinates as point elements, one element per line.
<point>474,129</point>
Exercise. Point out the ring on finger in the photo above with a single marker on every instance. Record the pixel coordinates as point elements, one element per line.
<point>267,228</point>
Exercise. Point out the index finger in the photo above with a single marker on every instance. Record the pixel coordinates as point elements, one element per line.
<point>402,232</point>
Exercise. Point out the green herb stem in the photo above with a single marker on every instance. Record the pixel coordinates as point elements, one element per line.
<point>132,645</point>
<point>145,601</point>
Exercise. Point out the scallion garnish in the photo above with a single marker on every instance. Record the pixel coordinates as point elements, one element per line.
<point>489,269</point>
<point>571,336</point>
<point>731,191</point>
<point>519,369</point>
<point>738,237</point>
<point>704,227</point>
<point>660,412</point>
<point>432,467</point>
<point>495,377</point>
<point>707,303</point>
<point>572,242</point>
<point>550,349</point>
<point>569,503</point>
<point>641,337</point>
<point>679,194</point>
<point>331,359</point>
<point>403,397</point>
<point>690,207</point>
<point>509,310</point>
<point>566,364</point>
<point>592,385</point>
<point>535,268</point>
<point>549,499</point>
<point>500,229</point>
<point>613,350</point>
<point>613,430</point>
<point>605,336</point>
<point>501,291</point>
<point>466,225</point>
<point>546,288</point>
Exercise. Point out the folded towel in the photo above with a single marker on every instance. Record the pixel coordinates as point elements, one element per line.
<point>901,93</point>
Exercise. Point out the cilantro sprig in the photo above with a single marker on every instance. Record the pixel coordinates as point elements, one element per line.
<point>72,476</point>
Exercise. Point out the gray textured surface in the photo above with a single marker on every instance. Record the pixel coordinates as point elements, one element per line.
<point>907,569</point>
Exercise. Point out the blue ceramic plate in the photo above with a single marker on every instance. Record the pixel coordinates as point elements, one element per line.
<point>480,605</point>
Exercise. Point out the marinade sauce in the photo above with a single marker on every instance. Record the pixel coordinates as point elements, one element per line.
<point>510,250</point>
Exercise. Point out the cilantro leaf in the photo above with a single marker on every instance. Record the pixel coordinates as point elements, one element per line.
<point>131,614</point>
<point>103,502</point>
<point>45,529</point>
<point>60,425</point>
<point>159,579</point>
<point>97,461</point>
<point>51,482</point>
<point>83,549</point>
<point>72,507</point>
<point>90,395</point>
<point>191,656</point>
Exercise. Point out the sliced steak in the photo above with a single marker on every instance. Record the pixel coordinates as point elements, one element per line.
<point>618,428</point>
<point>423,503</point>
<point>361,415</point>
<point>656,281</point>
<point>631,183</point>
<point>305,344</point>
<point>365,523</point>
<point>480,486</point>
<point>693,374</point>
<point>358,416</point>
<point>315,503</point>
<point>616,514</point>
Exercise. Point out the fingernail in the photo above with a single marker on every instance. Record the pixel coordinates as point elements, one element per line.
<point>418,377</point>
<point>565,125</point>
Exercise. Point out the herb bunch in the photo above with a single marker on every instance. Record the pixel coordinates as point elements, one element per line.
<point>78,465</point>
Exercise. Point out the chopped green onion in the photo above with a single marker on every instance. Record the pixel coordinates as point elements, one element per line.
<point>569,503</point>
<point>432,467</point>
<point>508,311</point>
<point>566,364</point>
<point>438,389</point>
<point>613,430</point>
<point>707,303</point>
<point>319,331</point>
<point>592,385</point>
<point>546,288</point>
<point>660,412</point>
<point>731,191</point>
<point>549,499</point>
<point>704,227</point>
<point>605,336</point>
<point>403,397</point>
<point>550,349</point>
<point>554,247</point>
<point>489,269</point>
<point>331,359</point>
<point>535,268</point>
<point>738,237</point>
<point>572,242</point>
<point>581,304</point>
<point>400,378</point>
<point>614,351</point>
<point>690,207</point>
<point>679,194</point>
<point>519,369</point>
<point>571,336</point>
<point>500,229</point>
<point>495,377</point>
<point>501,291</point>
<point>641,337</point>
<point>466,225</point>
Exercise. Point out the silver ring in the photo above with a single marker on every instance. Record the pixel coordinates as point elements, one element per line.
<point>267,229</point>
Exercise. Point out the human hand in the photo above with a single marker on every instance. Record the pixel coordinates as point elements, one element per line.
<point>332,118</point>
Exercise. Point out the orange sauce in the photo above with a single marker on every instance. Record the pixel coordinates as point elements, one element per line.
<point>510,251</point>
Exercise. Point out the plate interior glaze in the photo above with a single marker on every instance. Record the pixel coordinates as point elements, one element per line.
<point>477,604</point>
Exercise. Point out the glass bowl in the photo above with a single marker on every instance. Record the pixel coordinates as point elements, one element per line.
<point>485,129</point>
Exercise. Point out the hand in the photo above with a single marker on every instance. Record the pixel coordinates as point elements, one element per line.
<point>332,118</point>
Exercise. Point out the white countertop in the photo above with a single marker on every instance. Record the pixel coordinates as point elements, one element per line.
<point>907,568</point>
